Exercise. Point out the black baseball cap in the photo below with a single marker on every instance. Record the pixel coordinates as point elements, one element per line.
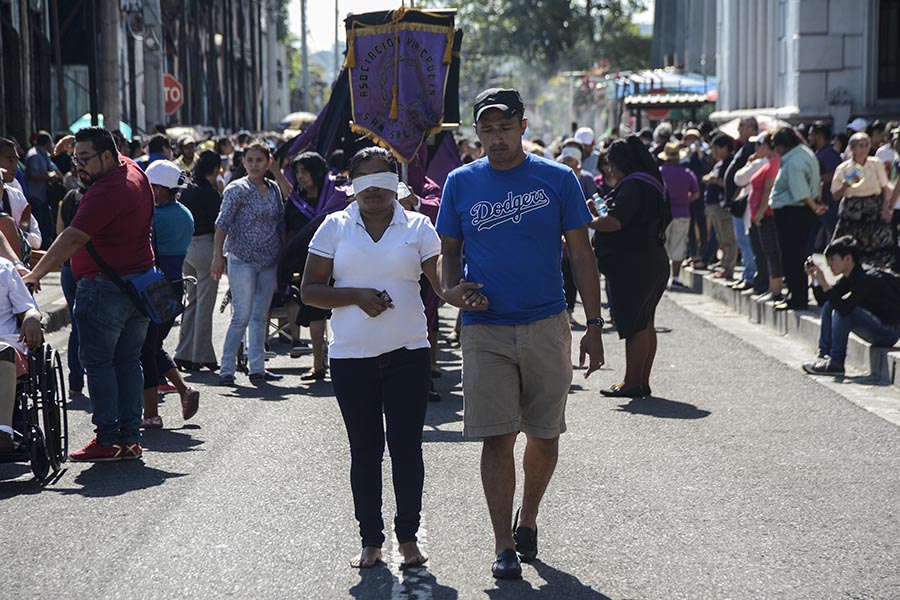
<point>506,100</point>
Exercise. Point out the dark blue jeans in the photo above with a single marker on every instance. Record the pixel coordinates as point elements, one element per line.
<point>76,371</point>
<point>835,331</point>
<point>394,385</point>
<point>112,331</point>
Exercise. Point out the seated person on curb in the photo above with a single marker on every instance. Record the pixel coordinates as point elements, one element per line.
<point>16,305</point>
<point>863,301</point>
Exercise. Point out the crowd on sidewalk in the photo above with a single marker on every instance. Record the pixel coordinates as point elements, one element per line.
<point>317,239</point>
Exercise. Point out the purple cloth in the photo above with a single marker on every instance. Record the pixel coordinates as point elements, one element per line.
<point>411,59</point>
<point>444,160</point>
<point>829,159</point>
<point>681,183</point>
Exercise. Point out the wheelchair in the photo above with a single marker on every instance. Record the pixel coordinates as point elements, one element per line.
<point>40,414</point>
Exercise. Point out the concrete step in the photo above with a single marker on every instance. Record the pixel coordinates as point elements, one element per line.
<point>881,364</point>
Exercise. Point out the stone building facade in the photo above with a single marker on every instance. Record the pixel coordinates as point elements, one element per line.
<point>808,59</point>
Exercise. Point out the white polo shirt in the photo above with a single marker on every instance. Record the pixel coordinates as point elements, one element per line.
<point>393,264</point>
<point>14,299</point>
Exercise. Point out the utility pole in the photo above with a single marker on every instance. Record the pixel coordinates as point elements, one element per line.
<point>27,94</point>
<point>3,90</point>
<point>303,49</point>
<point>110,103</point>
<point>154,97</point>
<point>60,74</point>
<point>337,20</point>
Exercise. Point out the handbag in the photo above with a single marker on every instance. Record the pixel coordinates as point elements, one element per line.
<point>151,292</point>
<point>739,204</point>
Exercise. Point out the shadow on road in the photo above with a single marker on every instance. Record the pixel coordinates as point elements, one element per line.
<point>380,582</point>
<point>102,480</point>
<point>663,408</point>
<point>79,403</point>
<point>170,440</point>
<point>559,584</point>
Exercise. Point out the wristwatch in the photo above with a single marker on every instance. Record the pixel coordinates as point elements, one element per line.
<point>599,322</point>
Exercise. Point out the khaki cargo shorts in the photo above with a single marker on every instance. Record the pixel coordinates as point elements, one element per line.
<point>516,377</point>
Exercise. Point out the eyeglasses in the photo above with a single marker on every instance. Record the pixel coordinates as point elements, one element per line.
<point>82,160</point>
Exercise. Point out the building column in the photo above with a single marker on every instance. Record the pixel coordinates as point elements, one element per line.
<point>110,101</point>
<point>154,96</point>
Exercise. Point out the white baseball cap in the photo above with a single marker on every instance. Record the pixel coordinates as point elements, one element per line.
<point>165,173</point>
<point>585,136</point>
<point>858,124</point>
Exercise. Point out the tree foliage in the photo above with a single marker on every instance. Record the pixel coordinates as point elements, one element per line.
<point>550,35</point>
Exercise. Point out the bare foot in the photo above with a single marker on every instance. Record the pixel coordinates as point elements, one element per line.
<point>412,556</point>
<point>369,557</point>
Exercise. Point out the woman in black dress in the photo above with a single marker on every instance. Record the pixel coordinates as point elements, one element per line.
<point>630,253</point>
<point>313,191</point>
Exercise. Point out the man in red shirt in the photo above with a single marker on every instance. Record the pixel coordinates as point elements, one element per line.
<point>115,215</point>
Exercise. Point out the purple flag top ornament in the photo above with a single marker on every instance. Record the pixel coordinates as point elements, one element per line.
<point>398,77</point>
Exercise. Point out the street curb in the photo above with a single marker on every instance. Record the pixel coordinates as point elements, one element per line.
<point>882,364</point>
<point>55,317</point>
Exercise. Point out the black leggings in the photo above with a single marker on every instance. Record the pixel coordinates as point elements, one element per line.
<point>794,224</point>
<point>396,385</point>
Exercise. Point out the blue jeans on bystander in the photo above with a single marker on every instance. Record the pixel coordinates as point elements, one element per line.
<point>111,332</point>
<point>835,331</point>
<point>252,288</point>
<point>76,371</point>
<point>743,242</point>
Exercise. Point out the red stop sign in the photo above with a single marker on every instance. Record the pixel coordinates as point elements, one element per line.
<point>174,94</point>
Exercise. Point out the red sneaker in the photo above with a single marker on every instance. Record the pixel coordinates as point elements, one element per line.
<point>131,450</point>
<point>94,452</point>
<point>166,388</point>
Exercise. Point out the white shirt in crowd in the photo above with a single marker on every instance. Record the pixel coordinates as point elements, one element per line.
<point>873,181</point>
<point>18,202</point>
<point>886,154</point>
<point>14,299</point>
<point>393,264</point>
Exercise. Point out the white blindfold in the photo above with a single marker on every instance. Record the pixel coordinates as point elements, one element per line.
<point>385,181</point>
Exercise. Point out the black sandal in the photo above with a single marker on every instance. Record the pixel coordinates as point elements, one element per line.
<point>526,540</point>
<point>313,375</point>
<point>633,392</point>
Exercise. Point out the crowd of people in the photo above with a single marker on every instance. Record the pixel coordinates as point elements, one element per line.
<point>353,245</point>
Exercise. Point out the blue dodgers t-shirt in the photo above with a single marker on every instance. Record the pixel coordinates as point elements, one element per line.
<point>512,224</point>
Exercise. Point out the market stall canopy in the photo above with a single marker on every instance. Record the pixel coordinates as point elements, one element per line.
<point>667,100</point>
<point>297,120</point>
<point>628,83</point>
<point>85,121</point>
<point>765,124</point>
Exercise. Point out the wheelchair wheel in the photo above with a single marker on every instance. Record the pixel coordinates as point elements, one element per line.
<point>40,461</point>
<point>50,398</point>
<point>55,418</point>
<point>242,361</point>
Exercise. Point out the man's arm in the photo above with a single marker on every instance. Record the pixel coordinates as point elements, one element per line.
<point>587,281</point>
<point>62,249</point>
<point>457,291</point>
<point>450,265</point>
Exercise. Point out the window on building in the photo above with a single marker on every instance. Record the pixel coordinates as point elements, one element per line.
<point>889,49</point>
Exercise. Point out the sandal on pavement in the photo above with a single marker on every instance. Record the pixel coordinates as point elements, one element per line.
<point>632,392</point>
<point>507,565</point>
<point>190,402</point>
<point>152,423</point>
<point>526,540</point>
<point>313,375</point>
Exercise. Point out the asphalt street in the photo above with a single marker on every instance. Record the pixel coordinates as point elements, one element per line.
<point>741,478</point>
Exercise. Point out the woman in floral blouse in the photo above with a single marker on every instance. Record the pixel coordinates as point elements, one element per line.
<point>250,232</point>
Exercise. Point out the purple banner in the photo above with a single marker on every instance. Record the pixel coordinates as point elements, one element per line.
<point>398,75</point>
